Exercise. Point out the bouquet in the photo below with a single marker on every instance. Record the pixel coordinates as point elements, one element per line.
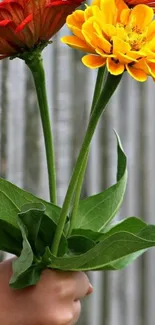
<point>79,235</point>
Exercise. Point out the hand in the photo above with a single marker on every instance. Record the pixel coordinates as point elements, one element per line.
<point>55,300</point>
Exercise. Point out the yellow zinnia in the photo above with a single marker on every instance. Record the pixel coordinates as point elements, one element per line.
<point>115,35</point>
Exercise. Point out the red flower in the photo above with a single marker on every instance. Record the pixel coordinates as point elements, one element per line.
<point>132,3</point>
<point>24,24</point>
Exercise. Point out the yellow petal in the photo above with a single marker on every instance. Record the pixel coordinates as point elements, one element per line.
<point>93,61</point>
<point>131,56</point>
<point>88,12</point>
<point>120,32</point>
<point>93,35</point>
<point>151,67</point>
<point>141,16</point>
<point>109,11</point>
<point>115,67</point>
<point>125,59</point>
<point>103,54</point>
<point>124,16</point>
<point>136,54</point>
<point>75,22</point>
<point>137,74</point>
<point>121,5</point>
<point>96,3</point>
<point>151,31</point>
<point>120,46</point>
<point>76,43</point>
<point>141,65</point>
<point>108,30</point>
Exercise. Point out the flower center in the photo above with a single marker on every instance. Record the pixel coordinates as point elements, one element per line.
<point>133,36</point>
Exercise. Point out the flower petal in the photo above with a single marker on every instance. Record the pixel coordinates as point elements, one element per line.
<point>151,67</point>
<point>108,30</point>
<point>131,56</point>
<point>75,22</point>
<point>124,16</point>
<point>141,16</point>
<point>151,31</point>
<point>114,66</point>
<point>93,61</point>
<point>137,74</point>
<point>103,54</point>
<point>25,22</point>
<point>120,46</point>
<point>109,11</point>
<point>93,35</point>
<point>76,43</point>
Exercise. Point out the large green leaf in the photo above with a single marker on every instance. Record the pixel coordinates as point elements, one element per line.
<point>31,216</point>
<point>10,238</point>
<point>80,244</point>
<point>25,260</point>
<point>97,211</point>
<point>133,225</point>
<point>107,254</point>
<point>12,198</point>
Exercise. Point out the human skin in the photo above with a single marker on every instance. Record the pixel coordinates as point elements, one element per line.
<point>55,300</point>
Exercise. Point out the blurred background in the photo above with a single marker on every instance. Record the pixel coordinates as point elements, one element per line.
<point>121,297</point>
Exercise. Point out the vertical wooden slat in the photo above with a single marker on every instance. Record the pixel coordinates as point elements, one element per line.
<point>31,155</point>
<point>15,123</point>
<point>3,125</point>
<point>3,120</point>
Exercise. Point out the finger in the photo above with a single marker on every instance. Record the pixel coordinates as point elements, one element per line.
<point>82,285</point>
<point>90,290</point>
<point>76,311</point>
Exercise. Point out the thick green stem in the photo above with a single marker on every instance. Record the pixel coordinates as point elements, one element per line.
<point>36,66</point>
<point>100,80</point>
<point>77,194</point>
<point>109,88</point>
<point>101,76</point>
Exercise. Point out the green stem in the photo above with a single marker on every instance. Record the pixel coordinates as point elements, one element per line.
<point>101,76</point>
<point>77,194</point>
<point>109,88</point>
<point>36,66</point>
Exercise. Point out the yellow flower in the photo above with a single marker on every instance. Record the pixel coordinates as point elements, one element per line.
<point>115,35</point>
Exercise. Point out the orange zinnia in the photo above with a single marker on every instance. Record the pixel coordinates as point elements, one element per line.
<point>132,3</point>
<point>24,24</point>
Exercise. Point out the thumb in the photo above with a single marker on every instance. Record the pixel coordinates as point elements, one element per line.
<point>90,290</point>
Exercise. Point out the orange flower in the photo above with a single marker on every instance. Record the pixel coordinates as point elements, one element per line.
<point>24,24</point>
<point>132,3</point>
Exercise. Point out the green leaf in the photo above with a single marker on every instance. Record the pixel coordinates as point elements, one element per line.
<point>25,260</point>
<point>10,238</point>
<point>46,235</point>
<point>80,244</point>
<point>12,198</point>
<point>31,215</point>
<point>40,228</point>
<point>132,225</point>
<point>97,211</point>
<point>107,254</point>
<point>93,235</point>
<point>28,278</point>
